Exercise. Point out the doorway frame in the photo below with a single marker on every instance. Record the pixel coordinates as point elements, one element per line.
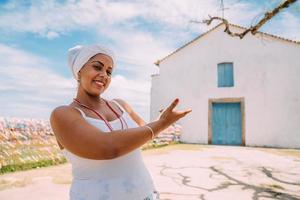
<point>240,100</point>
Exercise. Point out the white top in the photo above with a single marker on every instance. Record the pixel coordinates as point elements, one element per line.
<point>125,177</point>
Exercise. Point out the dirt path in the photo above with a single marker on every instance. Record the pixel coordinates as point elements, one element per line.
<point>184,172</point>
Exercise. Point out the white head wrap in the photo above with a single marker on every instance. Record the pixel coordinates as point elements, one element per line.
<point>79,55</point>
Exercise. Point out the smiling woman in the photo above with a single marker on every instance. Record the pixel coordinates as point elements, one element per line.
<point>102,138</point>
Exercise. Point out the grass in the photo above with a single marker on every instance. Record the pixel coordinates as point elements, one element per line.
<point>283,152</point>
<point>24,155</point>
<point>173,146</point>
<point>151,148</point>
<point>30,165</point>
<point>273,186</point>
<point>6,184</point>
<point>148,149</point>
<point>20,157</point>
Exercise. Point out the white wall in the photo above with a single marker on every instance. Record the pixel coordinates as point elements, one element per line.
<point>266,74</point>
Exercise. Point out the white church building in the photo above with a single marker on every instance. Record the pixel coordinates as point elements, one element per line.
<point>242,91</point>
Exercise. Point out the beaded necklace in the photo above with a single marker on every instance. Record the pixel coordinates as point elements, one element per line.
<point>101,117</point>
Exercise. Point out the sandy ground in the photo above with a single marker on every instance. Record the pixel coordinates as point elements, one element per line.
<point>184,172</point>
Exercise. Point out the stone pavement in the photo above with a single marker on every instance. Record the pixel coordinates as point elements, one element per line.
<point>184,172</point>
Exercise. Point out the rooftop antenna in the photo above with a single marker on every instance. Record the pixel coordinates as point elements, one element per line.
<point>222,8</point>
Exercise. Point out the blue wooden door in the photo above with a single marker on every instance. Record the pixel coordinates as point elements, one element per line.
<point>226,124</point>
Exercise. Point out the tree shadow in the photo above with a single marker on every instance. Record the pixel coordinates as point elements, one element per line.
<point>259,191</point>
<point>269,174</point>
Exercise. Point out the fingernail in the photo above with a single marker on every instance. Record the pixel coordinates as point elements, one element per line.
<point>176,100</point>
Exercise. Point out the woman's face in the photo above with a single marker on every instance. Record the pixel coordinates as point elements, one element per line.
<point>95,75</point>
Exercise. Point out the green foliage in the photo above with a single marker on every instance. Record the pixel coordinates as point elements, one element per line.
<point>30,165</point>
<point>155,145</point>
<point>29,145</point>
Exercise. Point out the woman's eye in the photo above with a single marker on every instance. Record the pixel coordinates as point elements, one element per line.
<point>97,67</point>
<point>100,68</point>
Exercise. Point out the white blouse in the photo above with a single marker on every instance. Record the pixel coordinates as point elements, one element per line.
<point>125,177</point>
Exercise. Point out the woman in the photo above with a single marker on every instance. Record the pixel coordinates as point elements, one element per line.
<point>101,138</point>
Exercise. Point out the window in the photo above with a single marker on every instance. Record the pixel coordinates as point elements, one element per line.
<point>225,75</point>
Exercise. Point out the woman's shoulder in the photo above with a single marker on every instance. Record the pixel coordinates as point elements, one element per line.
<point>64,111</point>
<point>131,112</point>
<point>64,108</point>
<point>119,101</point>
<point>123,103</point>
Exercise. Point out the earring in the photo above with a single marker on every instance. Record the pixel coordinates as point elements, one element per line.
<point>78,77</point>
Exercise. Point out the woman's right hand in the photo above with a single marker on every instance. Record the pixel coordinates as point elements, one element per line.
<point>169,116</point>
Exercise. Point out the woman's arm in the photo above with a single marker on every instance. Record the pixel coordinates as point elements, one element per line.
<point>131,112</point>
<point>85,140</point>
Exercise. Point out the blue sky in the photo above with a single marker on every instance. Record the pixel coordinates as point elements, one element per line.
<point>35,37</point>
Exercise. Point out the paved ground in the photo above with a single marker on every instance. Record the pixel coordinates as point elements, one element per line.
<point>184,172</point>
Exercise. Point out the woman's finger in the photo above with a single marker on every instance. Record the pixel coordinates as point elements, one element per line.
<point>183,113</point>
<point>173,105</point>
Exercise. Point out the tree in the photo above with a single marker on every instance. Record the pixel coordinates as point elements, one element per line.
<point>252,29</point>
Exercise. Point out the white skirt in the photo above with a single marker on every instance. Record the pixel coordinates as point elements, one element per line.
<point>126,189</point>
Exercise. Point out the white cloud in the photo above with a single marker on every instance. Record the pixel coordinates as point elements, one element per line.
<point>135,92</point>
<point>121,21</point>
<point>50,17</point>
<point>137,50</point>
<point>52,34</point>
<point>26,82</point>
<point>288,26</point>
<point>31,91</point>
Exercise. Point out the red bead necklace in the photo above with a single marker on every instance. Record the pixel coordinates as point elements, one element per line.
<point>101,117</point>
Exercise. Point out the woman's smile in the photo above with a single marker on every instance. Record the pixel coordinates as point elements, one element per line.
<point>99,83</point>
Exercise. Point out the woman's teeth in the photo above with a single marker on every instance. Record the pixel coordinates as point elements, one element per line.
<point>99,83</point>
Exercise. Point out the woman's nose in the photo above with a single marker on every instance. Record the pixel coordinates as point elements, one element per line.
<point>103,74</point>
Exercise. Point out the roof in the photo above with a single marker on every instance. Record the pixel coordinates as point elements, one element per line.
<point>214,28</point>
